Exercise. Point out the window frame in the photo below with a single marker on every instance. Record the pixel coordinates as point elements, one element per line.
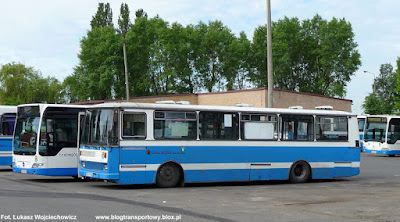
<point>224,113</point>
<point>332,140</point>
<point>242,129</point>
<point>195,120</point>
<point>122,137</point>
<point>298,117</point>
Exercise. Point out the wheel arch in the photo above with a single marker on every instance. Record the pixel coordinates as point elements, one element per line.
<point>181,180</point>
<point>297,161</point>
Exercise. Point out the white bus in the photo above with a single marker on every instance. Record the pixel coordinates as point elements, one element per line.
<point>7,121</point>
<point>45,139</point>
<point>171,144</point>
<point>382,133</point>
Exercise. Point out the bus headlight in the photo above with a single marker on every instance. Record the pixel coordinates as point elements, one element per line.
<point>83,164</point>
<point>37,165</point>
<point>105,167</point>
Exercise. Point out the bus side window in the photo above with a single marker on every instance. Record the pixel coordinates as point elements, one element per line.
<point>219,125</point>
<point>258,127</point>
<point>175,125</point>
<point>296,127</point>
<point>134,125</point>
<point>394,131</point>
<point>331,128</point>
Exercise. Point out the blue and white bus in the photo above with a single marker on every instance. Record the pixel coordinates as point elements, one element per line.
<point>45,139</point>
<point>7,121</point>
<point>361,127</point>
<point>171,144</point>
<point>382,134</point>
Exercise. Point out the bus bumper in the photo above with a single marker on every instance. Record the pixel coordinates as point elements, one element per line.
<point>386,152</point>
<point>47,171</point>
<point>98,175</point>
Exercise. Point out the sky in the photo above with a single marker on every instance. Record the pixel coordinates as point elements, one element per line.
<point>46,34</point>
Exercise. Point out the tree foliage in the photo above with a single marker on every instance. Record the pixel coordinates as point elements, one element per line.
<point>314,55</point>
<point>20,84</point>
<point>103,16</point>
<point>382,100</point>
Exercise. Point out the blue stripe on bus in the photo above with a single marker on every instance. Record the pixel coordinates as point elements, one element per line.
<point>5,144</point>
<point>49,171</point>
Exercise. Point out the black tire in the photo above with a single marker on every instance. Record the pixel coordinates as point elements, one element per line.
<point>168,175</point>
<point>391,155</point>
<point>300,172</point>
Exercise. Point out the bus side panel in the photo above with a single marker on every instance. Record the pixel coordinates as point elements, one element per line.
<point>132,165</point>
<point>5,151</point>
<point>201,164</point>
<point>213,163</point>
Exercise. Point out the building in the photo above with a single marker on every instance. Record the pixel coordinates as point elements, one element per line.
<point>252,97</point>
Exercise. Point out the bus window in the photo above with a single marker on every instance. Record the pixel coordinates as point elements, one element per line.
<point>134,126</point>
<point>331,128</point>
<point>361,123</point>
<point>296,127</point>
<point>175,125</point>
<point>258,127</point>
<point>219,125</point>
<point>7,124</point>
<point>394,131</point>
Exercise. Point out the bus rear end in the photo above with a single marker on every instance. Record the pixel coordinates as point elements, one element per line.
<point>7,122</point>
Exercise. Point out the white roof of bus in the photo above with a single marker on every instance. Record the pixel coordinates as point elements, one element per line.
<point>129,105</point>
<point>44,105</point>
<point>384,115</point>
<point>8,109</point>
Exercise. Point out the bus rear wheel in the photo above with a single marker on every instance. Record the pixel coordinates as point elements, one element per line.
<point>168,175</point>
<point>300,172</point>
<point>391,155</point>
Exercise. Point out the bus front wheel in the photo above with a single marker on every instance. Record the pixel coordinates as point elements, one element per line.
<point>168,175</point>
<point>300,172</point>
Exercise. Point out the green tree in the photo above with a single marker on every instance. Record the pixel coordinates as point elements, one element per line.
<point>396,94</point>
<point>20,84</point>
<point>382,100</point>
<point>103,16</point>
<point>212,55</point>
<point>373,105</point>
<point>315,55</point>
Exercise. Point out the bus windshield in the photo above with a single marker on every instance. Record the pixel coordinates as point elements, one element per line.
<point>375,129</point>
<point>58,130</point>
<point>26,130</point>
<point>99,128</point>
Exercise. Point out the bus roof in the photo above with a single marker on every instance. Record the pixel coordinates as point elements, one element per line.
<point>384,115</point>
<point>129,105</point>
<point>45,105</point>
<point>8,109</point>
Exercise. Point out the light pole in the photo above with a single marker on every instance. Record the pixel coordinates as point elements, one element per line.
<point>374,80</point>
<point>269,58</point>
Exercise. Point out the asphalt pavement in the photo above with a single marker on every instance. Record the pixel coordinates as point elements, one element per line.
<point>371,196</point>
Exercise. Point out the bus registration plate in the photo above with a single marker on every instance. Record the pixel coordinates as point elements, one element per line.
<point>89,174</point>
<point>23,171</point>
<point>373,152</point>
